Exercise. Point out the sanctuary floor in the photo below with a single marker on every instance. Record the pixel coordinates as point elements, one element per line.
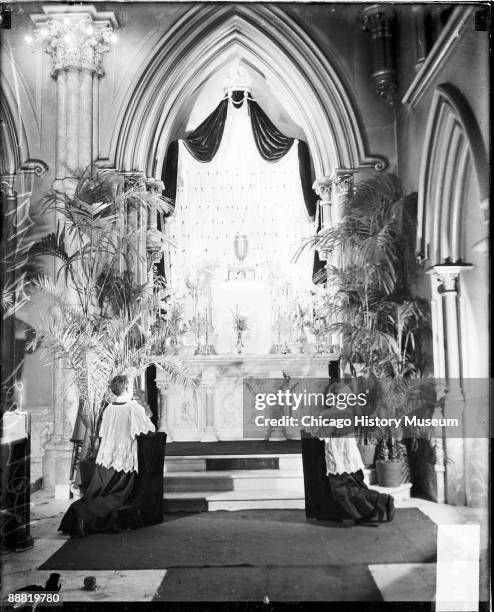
<point>356,573</point>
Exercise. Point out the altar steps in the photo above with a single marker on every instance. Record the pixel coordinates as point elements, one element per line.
<point>240,482</point>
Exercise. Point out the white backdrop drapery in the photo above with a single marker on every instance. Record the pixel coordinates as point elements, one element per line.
<point>240,192</point>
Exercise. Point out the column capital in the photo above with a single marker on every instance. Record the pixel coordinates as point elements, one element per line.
<point>323,187</point>
<point>343,179</point>
<point>377,20</point>
<point>448,273</point>
<point>75,36</point>
<point>155,185</point>
<point>134,180</point>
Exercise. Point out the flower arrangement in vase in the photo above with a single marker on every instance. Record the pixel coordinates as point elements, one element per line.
<point>240,326</point>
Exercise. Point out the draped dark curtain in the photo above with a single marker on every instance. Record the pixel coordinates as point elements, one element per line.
<point>204,141</point>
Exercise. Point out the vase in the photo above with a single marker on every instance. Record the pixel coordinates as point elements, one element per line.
<point>240,345</point>
<point>368,454</point>
<point>389,473</point>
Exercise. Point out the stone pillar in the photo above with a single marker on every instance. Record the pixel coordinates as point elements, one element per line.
<point>208,382</point>
<point>164,421</point>
<point>332,190</point>
<point>77,38</point>
<point>447,345</point>
<point>377,21</point>
<point>154,238</point>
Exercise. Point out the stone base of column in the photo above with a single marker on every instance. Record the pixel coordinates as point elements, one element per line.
<point>209,435</point>
<point>440,485</point>
<point>455,472</point>
<point>56,468</point>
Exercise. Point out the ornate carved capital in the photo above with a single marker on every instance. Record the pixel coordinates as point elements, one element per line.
<point>75,36</point>
<point>343,180</point>
<point>447,275</point>
<point>377,21</point>
<point>155,185</point>
<point>135,181</point>
<point>323,187</point>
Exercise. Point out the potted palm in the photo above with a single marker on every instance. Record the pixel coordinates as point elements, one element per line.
<point>371,308</point>
<point>102,322</point>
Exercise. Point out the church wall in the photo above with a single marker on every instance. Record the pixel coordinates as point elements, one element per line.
<point>337,31</point>
<point>466,69</point>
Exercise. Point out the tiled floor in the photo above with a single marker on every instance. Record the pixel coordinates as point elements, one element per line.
<point>396,582</point>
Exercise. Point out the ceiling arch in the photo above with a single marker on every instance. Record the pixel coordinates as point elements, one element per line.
<point>198,45</point>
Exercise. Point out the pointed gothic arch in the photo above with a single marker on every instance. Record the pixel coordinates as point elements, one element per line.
<point>453,152</point>
<point>201,42</point>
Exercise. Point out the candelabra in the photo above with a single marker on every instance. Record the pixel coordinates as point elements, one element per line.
<point>199,326</point>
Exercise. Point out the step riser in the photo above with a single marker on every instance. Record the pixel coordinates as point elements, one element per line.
<point>181,464</point>
<point>201,504</point>
<point>233,484</point>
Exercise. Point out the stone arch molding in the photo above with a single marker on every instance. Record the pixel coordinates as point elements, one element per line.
<point>453,150</point>
<point>198,45</point>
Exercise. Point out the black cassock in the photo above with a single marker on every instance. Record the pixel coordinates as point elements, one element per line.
<point>331,497</point>
<point>116,501</point>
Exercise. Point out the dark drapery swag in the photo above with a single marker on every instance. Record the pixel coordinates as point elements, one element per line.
<point>203,144</point>
<point>116,501</point>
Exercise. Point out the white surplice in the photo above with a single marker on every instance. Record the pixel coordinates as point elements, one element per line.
<point>120,425</point>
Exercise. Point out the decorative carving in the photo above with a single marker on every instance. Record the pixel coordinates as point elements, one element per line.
<point>134,181</point>
<point>323,188</point>
<point>343,180</point>
<point>155,185</point>
<point>75,38</point>
<point>237,78</point>
<point>34,166</point>
<point>447,274</point>
<point>378,20</point>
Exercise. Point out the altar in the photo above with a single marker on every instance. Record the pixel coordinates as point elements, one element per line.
<point>216,408</point>
<point>245,300</point>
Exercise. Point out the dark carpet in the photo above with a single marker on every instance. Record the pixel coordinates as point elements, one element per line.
<point>234,447</point>
<point>288,584</point>
<point>252,538</point>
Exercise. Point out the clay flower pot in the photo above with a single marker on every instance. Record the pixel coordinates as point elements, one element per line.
<point>368,454</point>
<point>389,473</point>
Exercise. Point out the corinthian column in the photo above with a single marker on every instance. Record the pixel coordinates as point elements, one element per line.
<point>77,38</point>
<point>447,356</point>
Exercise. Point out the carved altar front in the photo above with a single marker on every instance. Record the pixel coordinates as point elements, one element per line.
<point>213,410</point>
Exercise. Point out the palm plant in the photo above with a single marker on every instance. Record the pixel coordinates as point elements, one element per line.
<point>103,322</point>
<point>371,307</point>
<point>96,350</point>
<point>372,262</point>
